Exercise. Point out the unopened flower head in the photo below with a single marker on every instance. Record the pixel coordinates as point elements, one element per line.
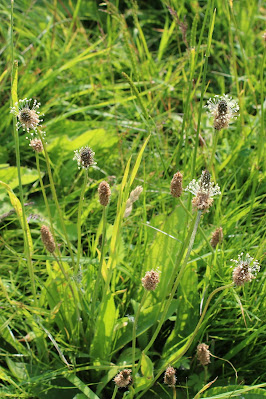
<point>104,193</point>
<point>204,191</point>
<point>84,157</point>
<point>47,239</point>
<point>217,237</point>
<point>245,270</point>
<point>36,145</point>
<point>28,117</point>
<point>123,379</point>
<point>150,280</point>
<point>203,354</point>
<point>169,377</point>
<point>223,109</point>
<point>176,185</point>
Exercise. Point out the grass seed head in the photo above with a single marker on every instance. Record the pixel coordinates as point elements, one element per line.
<point>123,379</point>
<point>246,269</point>
<point>217,237</point>
<point>169,377</point>
<point>203,354</point>
<point>104,193</point>
<point>150,280</point>
<point>47,239</point>
<point>176,185</point>
<point>134,195</point>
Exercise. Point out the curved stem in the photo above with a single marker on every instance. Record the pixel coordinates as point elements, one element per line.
<point>211,166</point>
<point>115,392</point>
<point>79,219</point>
<point>44,194</point>
<point>16,139</point>
<point>55,195</point>
<point>96,288</point>
<point>134,332</point>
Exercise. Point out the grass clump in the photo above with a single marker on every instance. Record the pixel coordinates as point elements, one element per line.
<point>114,281</point>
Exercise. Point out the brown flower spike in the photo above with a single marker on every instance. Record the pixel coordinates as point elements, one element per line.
<point>150,280</point>
<point>203,354</point>
<point>123,379</point>
<point>176,185</point>
<point>47,239</point>
<point>169,377</point>
<point>217,237</point>
<point>104,193</point>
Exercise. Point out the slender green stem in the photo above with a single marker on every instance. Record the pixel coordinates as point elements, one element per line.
<point>211,166</point>
<point>115,392</point>
<point>174,393</point>
<point>99,273</point>
<point>190,340</point>
<point>191,238</point>
<point>21,195</point>
<point>79,218</point>
<point>44,194</point>
<point>134,332</point>
<point>55,196</point>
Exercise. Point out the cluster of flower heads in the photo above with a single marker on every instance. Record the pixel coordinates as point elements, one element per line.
<point>223,109</point>
<point>204,190</point>
<point>245,270</point>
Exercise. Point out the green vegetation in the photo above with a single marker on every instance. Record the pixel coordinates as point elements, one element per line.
<point>130,79</point>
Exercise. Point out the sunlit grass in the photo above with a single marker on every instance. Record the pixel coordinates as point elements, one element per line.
<point>130,80</point>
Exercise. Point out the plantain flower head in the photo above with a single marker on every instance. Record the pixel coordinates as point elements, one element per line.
<point>223,109</point>
<point>246,269</point>
<point>204,191</point>
<point>27,117</point>
<point>84,157</point>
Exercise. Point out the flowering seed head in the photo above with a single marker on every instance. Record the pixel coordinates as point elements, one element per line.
<point>104,193</point>
<point>204,191</point>
<point>203,354</point>
<point>223,109</point>
<point>150,280</point>
<point>217,237</point>
<point>169,377</point>
<point>28,117</point>
<point>36,145</point>
<point>176,185</point>
<point>47,239</point>
<point>123,379</point>
<point>246,269</point>
<point>128,209</point>
<point>84,157</point>
<point>134,195</point>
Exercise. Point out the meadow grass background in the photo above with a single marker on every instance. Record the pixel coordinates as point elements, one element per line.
<point>73,57</point>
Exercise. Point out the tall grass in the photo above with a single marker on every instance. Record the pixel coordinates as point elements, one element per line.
<point>130,80</point>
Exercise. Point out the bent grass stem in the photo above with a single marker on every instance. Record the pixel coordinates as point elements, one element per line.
<point>79,218</point>
<point>55,196</point>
